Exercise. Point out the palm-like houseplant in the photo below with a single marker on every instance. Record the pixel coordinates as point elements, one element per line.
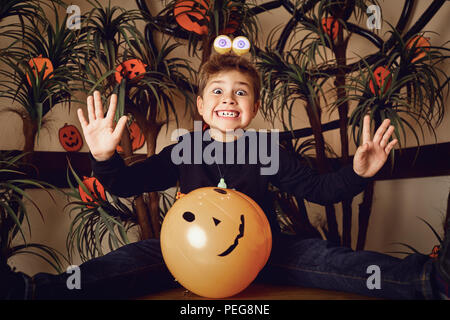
<point>113,40</point>
<point>35,87</point>
<point>205,21</point>
<point>415,91</point>
<point>411,93</point>
<point>14,213</point>
<point>101,218</point>
<point>34,102</point>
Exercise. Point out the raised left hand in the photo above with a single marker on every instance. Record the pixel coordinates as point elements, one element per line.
<point>372,154</point>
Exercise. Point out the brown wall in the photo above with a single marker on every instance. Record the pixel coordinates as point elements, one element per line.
<point>397,203</point>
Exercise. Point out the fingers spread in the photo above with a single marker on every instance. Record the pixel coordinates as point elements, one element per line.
<point>366,129</point>
<point>90,107</point>
<point>381,130</point>
<point>390,146</point>
<point>82,119</point>
<point>98,105</point>
<point>386,137</point>
<point>112,107</point>
<point>118,130</point>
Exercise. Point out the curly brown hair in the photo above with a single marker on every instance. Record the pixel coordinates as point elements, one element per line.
<point>226,62</point>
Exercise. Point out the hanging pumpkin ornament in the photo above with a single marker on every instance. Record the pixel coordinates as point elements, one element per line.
<point>215,241</point>
<point>95,189</point>
<point>192,16</point>
<point>38,64</point>
<point>421,44</point>
<point>382,77</point>
<point>130,69</point>
<point>330,26</point>
<point>136,136</point>
<point>70,138</point>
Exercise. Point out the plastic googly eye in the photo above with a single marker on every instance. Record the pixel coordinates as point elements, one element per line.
<point>222,44</point>
<point>241,45</point>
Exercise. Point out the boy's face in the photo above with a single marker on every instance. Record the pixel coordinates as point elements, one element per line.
<point>228,101</point>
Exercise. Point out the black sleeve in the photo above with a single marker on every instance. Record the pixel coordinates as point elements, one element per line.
<point>155,173</point>
<point>301,181</point>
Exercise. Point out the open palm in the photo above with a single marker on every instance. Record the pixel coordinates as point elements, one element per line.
<point>100,133</point>
<point>372,154</point>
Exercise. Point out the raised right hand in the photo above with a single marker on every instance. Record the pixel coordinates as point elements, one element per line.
<point>101,136</point>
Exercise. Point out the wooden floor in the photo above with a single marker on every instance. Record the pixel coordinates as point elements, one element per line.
<point>263,292</point>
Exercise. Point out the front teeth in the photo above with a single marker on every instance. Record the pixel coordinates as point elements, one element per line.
<point>229,114</point>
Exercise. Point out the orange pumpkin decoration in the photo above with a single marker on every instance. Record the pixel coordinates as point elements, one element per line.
<point>136,136</point>
<point>191,15</point>
<point>39,63</point>
<point>382,77</point>
<point>94,187</point>
<point>421,44</point>
<point>331,27</point>
<point>70,138</point>
<point>435,252</point>
<point>130,69</point>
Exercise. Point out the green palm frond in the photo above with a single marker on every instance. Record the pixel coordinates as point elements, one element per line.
<point>411,248</point>
<point>416,95</point>
<point>286,78</point>
<point>98,222</point>
<point>163,81</point>
<point>106,30</point>
<point>35,94</point>
<point>220,17</point>
<point>14,212</point>
<point>101,224</point>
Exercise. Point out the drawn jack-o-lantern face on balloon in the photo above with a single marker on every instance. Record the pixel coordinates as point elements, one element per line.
<point>191,15</point>
<point>215,241</point>
<point>130,69</point>
<point>70,138</point>
<point>94,187</point>
<point>37,65</point>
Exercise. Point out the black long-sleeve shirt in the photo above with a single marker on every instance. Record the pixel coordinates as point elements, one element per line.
<point>162,171</point>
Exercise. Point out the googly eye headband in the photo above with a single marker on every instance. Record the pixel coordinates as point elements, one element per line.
<point>223,44</point>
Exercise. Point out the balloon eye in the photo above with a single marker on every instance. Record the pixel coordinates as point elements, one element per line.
<point>216,221</point>
<point>188,216</point>
<point>222,44</point>
<point>241,43</point>
<point>220,191</point>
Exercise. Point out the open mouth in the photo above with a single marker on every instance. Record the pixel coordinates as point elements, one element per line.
<point>227,114</point>
<point>236,241</point>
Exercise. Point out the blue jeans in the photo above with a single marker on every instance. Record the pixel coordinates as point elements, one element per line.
<point>138,269</point>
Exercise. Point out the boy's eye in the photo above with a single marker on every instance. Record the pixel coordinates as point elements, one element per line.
<point>217,91</point>
<point>241,92</point>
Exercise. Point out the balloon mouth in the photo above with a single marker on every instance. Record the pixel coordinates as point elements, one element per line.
<point>236,241</point>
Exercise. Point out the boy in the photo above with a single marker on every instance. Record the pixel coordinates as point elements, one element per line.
<point>228,100</point>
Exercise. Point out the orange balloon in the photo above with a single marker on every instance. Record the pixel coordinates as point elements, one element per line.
<point>215,241</point>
